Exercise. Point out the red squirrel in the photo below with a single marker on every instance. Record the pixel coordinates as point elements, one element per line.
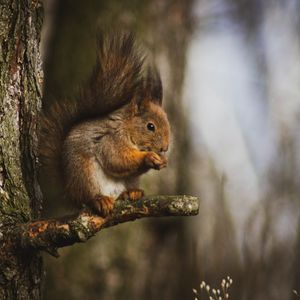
<point>113,132</point>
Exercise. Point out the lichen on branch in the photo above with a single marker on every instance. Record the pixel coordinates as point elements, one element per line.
<point>51,234</point>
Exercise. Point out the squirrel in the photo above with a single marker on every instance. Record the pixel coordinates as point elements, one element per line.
<point>115,130</point>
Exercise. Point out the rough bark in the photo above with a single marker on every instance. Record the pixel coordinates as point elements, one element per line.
<point>20,77</point>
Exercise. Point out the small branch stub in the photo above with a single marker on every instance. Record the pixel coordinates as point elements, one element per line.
<point>51,234</point>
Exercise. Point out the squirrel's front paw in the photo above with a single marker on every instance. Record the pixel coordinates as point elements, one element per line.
<point>153,160</point>
<point>132,194</point>
<point>103,205</point>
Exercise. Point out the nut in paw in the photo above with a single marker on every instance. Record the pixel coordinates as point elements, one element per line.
<point>155,161</point>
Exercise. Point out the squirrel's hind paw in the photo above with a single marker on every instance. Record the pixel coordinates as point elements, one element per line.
<point>132,194</point>
<point>102,205</point>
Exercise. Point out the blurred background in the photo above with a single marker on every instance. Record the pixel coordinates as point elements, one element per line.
<point>231,75</point>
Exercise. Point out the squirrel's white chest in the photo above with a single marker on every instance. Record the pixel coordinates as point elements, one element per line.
<point>107,185</point>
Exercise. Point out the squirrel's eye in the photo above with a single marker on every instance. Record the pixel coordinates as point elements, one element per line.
<point>150,126</point>
<point>97,138</point>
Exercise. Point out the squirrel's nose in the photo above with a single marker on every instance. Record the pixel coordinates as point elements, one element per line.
<point>165,149</point>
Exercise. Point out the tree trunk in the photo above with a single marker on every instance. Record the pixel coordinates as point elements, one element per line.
<point>22,236</point>
<point>20,99</point>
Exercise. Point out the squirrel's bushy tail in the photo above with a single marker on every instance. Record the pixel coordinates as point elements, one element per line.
<point>115,80</point>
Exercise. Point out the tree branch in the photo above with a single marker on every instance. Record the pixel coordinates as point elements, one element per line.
<point>51,234</point>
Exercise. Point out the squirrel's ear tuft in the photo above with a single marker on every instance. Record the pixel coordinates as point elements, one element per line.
<point>150,91</point>
<point>152,86</point>
<point>137,104</point>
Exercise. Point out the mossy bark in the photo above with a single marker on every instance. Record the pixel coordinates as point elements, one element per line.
<point>20,99</point>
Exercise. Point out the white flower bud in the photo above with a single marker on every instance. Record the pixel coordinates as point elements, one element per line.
<point>223,282</point>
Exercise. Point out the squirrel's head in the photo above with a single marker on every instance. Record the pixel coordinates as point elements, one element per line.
<point>149,127</point>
